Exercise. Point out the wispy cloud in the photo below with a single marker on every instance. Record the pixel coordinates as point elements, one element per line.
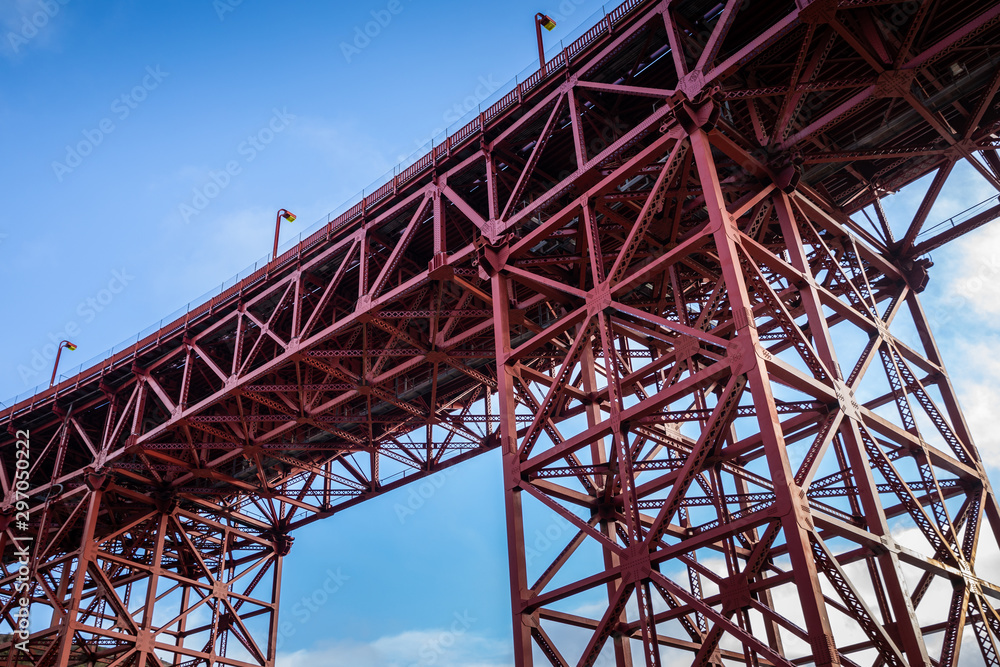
<point>441,648</point>
<point>974,274</point>
<point>340,144</point>
<point>221,246</point>
<point>968,307</point>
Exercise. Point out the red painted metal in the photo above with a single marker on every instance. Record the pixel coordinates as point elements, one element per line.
<point>649,276</point>
<point>282,213</point>
<point>55,365</point>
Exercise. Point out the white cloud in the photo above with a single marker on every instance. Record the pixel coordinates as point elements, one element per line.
<point>973,278</point>
<point>980,402</point>
<point>963,313</point>
<point>415,648</point>
<point>933,608</point>
<point>978,392</point>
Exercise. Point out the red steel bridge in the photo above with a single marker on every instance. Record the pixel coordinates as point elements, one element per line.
<point>642,277</point>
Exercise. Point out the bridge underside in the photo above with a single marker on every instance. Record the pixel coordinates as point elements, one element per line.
<point>637,276</point>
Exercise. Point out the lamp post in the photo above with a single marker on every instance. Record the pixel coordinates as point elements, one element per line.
<point>542,21</point>
<point>287,215</point>
<point>69,346</point>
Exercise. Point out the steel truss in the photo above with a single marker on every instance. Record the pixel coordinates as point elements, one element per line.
<point>642,276</point>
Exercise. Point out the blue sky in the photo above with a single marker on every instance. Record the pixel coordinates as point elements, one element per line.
<point>119,122</point>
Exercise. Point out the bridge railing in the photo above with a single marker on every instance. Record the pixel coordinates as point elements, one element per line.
<point>439,147</point>
<point>959,218</point>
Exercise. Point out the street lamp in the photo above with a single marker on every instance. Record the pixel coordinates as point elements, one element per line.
<point>287,215</point>
<point>69,346</point>
<point>542,21</point>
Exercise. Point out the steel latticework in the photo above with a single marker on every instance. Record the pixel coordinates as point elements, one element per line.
<point>658,277</point>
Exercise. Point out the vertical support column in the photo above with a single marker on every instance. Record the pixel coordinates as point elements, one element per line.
<point>948,394</point>
<point>65,581</point>
<point>629,498</point>
<point>363,268</point>
<point>899,597</point>
<point>144,644</point>
<point>272,631</point>
<point>491,185</point>
<point>579,142</point>
<point>511,475</point>
<point>440,236</point>
<point>86,556</point>
<point>795,522</point>
<point>588,374</point>
<point>182,626</point>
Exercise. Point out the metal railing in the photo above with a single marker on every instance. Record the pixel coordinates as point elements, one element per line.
<point>961,217</point>
<point>324,229</point>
